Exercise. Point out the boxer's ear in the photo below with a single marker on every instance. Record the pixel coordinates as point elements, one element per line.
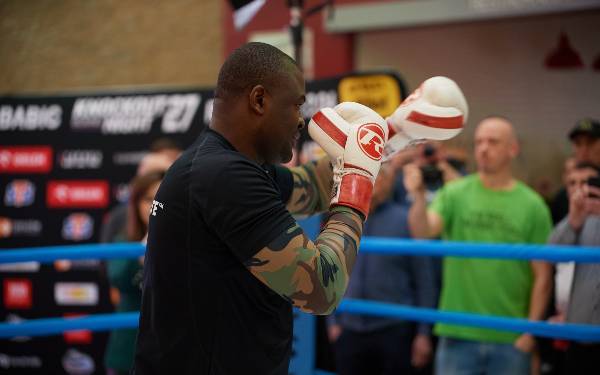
<point>257,99</point>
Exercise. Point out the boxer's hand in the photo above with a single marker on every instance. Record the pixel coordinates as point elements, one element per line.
<point>437,110</point>
<point>354,137</point>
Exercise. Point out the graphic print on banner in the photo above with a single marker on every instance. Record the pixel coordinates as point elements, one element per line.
<point>19,227</point>
<point>25,159</point>
<point>77,194</point>
<point>76,294</point>
<point>18,293</point>
<point>19,193</point>
<point>78,227</point>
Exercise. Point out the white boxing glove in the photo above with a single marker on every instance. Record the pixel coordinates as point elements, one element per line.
<point>437,110</point>
<point>354,136</point>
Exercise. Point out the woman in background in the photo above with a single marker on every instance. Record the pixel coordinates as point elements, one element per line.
<point>125,275</point>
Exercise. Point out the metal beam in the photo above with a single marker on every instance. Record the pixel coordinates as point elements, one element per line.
<point>384,15</point>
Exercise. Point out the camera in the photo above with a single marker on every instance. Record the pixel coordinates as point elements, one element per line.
<point>432,175</point>
<point>595,182</point>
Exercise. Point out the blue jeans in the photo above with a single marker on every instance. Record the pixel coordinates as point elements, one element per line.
<point>463,357</point>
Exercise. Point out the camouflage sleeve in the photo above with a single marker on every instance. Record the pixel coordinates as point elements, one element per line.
<point>312,188</point>
<point>312,276</point>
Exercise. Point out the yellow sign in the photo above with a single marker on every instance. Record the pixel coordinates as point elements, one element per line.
<point>379,92</point>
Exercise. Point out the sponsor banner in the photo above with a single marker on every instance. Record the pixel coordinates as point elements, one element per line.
<point>76,294</point>
<point>77,194</point>
<point>315,100</point>
<point>13,319</point>
<point>75,362</point>
<point>25,159</point>
<point>128,158</point>
<point>19,193</point>
<point>135,114</point>
<point>83,336</point>
<point>30,117</point>
<point>19,227</point>
<point>17,362</point>
<point>121,193</point>
<point>380,92</point>
<point>18,293</point>
<point>65,265</point>
<point>80,159</point>
<point>20,267</point>
<point>77,227</point>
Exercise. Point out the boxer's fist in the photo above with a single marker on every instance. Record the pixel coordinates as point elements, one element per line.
<point>437,110</point>
<point>354,136</point>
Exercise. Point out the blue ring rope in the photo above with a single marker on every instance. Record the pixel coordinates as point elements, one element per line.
<point>53,326</point>
<point>553,253</point>
<point>103,322</point>
<point>40,327</point>
<point>50,254</point>
<point>386,246</point>
<point>581,332</point>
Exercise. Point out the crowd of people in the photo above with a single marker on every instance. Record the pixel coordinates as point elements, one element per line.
<point>488,206</point>
<point>424,192</point>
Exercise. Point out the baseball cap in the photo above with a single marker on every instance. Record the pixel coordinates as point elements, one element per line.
<point>585,126</point>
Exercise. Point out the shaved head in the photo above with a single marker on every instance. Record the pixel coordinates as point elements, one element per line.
<point>250,65</point>
<point>502,126</point>
<point>495,145</point>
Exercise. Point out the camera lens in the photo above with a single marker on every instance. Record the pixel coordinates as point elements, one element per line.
<point>429,151</point>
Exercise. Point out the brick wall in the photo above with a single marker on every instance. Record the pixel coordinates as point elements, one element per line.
<point>49,45</point>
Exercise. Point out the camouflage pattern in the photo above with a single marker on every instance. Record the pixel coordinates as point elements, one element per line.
<point>312,276</point>
<point>312,188</point>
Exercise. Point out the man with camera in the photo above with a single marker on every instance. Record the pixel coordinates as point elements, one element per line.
<point>582,227</point>
<point>585,140</point>
<point>488,206</point>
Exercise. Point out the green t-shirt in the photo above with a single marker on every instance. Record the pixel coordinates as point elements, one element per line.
<point>488,286</point>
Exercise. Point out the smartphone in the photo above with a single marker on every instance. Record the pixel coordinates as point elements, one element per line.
<point>595,182</point>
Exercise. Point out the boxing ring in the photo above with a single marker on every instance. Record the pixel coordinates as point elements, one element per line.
<point>303,361</point>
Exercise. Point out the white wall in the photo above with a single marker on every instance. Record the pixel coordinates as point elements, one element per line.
<point>500,67</point>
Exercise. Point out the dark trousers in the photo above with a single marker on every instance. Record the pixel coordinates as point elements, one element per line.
<point>582,358</point>
<point>383,352</point>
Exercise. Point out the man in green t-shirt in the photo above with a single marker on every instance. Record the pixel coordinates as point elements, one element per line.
<point>489,206</point>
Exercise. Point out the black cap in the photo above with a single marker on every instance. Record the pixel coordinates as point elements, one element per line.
<point>586,126</point>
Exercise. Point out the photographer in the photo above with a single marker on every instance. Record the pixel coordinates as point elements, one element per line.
<point>438,165</point>
<point>582,227</point>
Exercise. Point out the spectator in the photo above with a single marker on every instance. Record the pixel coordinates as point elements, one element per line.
<point>582,227</point>
<point>163,152</point>
<point>585,137</point>
<point>125,275</point>
<point>371,345</point>
<point>489,206</point>
<point>438,162</point>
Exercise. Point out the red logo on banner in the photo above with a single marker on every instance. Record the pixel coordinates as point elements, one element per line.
<point>83,336</point>
<point>80,194</point>
<point>26,159</point>
<point>17,293</point>
<point>371,140</point>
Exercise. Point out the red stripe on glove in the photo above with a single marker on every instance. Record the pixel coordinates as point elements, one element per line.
<point>391,130</point>
<point>355,192</point>
<point>436,122</point>
<point>330,129</point>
